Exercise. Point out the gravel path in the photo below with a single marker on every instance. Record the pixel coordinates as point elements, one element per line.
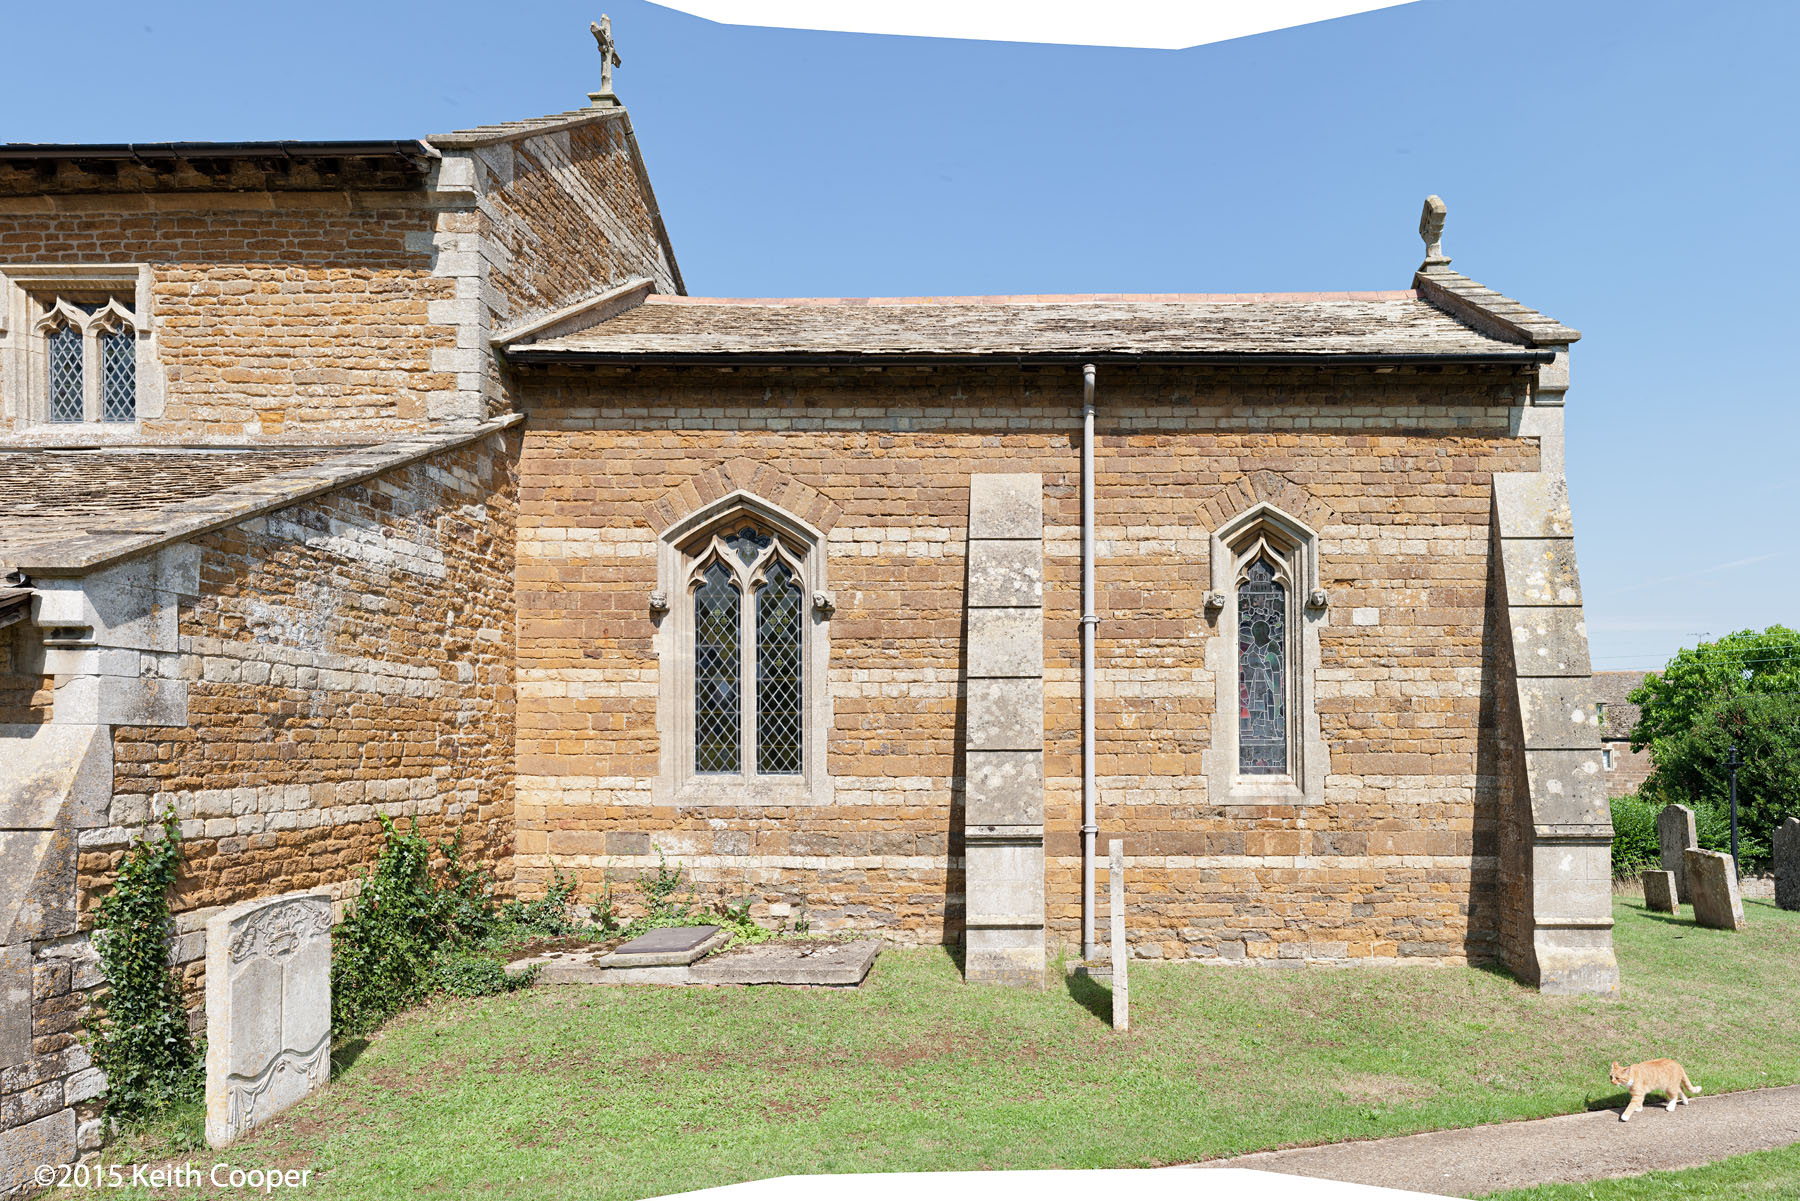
<point>1582,1146</point>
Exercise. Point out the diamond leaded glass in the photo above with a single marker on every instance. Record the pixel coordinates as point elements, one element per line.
<point>63,347</point>
<point>717,687</point>
<point>778,613</point>
<point>1262,672</point>
<point>118,376</point>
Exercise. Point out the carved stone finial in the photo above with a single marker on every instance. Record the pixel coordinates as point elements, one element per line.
<point>609,58</point>
<point>1431,231</point>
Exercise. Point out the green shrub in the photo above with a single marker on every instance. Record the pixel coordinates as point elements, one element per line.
<point>549,916</point>
<point>383,954</point>
<point>142,1041</point>
<point>465,975</point>
<point>1635,845</point>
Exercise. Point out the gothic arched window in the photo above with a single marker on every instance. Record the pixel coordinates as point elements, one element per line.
<point>1262,615</point>
<point>744,659</point>
<point>1268,606</point>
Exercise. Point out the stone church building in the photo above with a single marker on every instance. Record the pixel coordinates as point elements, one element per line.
<point>405,477</point>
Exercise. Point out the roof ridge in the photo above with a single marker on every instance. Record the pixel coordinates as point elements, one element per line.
<point>1040,298</point>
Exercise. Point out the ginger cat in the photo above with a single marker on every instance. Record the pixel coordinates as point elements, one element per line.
<point>1663,1076</point>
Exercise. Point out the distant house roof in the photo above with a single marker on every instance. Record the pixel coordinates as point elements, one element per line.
<point>1398,327</point>
<point>1621,716</point>
<point>66,512</point>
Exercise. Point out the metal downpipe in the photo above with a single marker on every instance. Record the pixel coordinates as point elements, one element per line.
<point>1088,621</point>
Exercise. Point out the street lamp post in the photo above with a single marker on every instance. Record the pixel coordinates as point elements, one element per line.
<point>1733,762</point>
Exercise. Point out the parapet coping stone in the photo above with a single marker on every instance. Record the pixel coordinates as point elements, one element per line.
<point>182,520</point>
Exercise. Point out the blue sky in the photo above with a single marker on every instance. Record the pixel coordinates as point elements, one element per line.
<point>1629,168</point>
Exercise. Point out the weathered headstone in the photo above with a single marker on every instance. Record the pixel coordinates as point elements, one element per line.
<point>1713,890</point>
<point>1659,892</point>
<point>1675,831</point>
<point>268,1010</point>
<point>1121,954</point>
<point>1787,864</point>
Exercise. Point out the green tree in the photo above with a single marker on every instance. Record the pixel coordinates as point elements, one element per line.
<point>1670,701</point>
<point>1692,767</point>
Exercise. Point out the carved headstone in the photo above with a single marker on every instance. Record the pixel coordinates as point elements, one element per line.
<point>1659,892</point>
<point>1713,890</point>
<point>268,1010</point>
<point>1787,864</point>
<point>1675,831</point>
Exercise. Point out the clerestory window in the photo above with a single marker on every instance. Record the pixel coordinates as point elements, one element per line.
<point>87,364</point>
<point>743,636</point>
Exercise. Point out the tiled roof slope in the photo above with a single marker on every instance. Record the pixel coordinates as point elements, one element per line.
<point>1398,325</point>
<point>65,512</point>
<point>1610,689</point>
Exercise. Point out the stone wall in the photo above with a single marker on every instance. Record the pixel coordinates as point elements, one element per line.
<point>286,680</point>
<point>346,657</point>
<point>27,695</point>
<point>566,215</point>
<point>1397,862</point>
<point>303,319</point>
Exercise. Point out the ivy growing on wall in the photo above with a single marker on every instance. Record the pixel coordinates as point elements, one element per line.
<point>141,1040</point>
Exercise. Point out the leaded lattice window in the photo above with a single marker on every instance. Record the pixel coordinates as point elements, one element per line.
<point>778,614</point>
<point>1262,611</point>
<point>753,652</point>
<point>88,365</point>
<point>62,347</point>
<point>118,375</point>
<point>717,684</point>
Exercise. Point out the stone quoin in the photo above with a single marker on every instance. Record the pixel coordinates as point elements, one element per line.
<point>416,485</point>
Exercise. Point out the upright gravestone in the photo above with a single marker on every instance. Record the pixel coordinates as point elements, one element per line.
<point>268,1010</point>
<point>1675,831</point>
<point>1659,892</point>
<point>1713,890</point>
<point>1787,864</point>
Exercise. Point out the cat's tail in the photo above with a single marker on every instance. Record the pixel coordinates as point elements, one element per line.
<point>1688,1084</point>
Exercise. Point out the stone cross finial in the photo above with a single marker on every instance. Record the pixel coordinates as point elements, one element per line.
<point>609,58</point>
<point>1431,230</point>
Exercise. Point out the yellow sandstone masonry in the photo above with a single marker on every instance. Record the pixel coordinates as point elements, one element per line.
<point>1398,862</point>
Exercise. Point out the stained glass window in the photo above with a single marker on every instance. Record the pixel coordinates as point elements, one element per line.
<point>1262,672</point>
<point>63,345</point>
<point>717,687</point>
<point>778,615</point>
<point>118,376</point>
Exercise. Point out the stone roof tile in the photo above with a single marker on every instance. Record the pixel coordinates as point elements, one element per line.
<point>1301,325</point>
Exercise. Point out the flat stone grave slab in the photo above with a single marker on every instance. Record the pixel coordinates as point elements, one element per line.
<point>840,964</point>
<point>622,965</point>
<point>674,946</point>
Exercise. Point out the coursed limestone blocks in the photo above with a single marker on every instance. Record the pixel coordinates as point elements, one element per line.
<point>1787,864</point>
<point>1565,816</point>
<point>1003,753</point>
<point>1659,891</point>
<point>1713,890</point>
<point>1676,836</point>
<point>268,1010</point>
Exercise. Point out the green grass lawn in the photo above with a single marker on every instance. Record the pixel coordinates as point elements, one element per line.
<point>1764,1176</point>
<point>624,1093</point>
